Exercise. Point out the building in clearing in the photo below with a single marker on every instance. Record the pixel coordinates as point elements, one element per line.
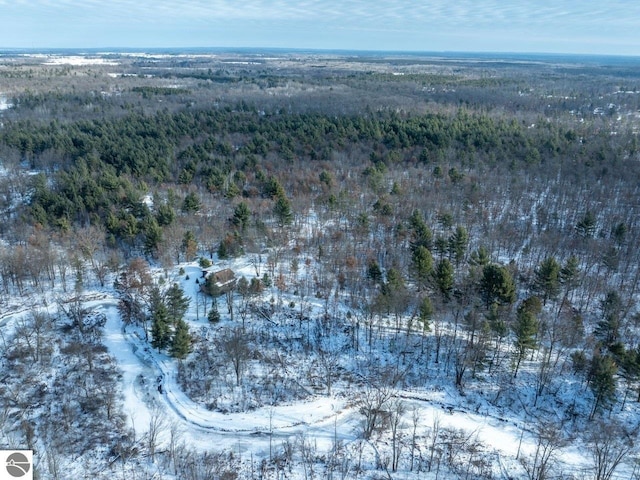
<point>224,280</point>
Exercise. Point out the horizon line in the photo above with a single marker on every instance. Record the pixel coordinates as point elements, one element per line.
<point>351,51</point>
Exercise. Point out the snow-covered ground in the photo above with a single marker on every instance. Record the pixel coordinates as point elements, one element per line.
<point>322,419</point>
<point>145,370</point>
<point>325,419</point>
<point>75,60</point>
<point>151,393</point>
<point>4,103</point>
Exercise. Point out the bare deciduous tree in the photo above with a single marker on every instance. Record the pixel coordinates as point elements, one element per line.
<point>374,407</point>
<point>157,426</point>
<point>234,344</point>
<point>608,444</point>
<point>549,439</point>
<point>398,409</point>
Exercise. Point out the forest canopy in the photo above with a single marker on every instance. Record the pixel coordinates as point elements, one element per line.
<point>414,231</point>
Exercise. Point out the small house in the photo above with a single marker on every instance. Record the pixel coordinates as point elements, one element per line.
<point>224,280</point>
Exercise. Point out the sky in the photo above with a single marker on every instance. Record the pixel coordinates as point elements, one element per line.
<point>521,26</point>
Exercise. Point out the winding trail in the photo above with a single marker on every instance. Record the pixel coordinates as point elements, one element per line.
<point>321,418</point>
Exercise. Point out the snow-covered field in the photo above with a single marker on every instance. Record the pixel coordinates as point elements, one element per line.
<point>4,103</point>
<point>75,60</point>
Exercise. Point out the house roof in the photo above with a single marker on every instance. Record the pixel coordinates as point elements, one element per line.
<point>222,277</point>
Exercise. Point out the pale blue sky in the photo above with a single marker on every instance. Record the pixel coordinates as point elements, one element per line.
<point>556,26</point>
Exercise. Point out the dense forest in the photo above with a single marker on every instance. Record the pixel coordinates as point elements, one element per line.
<point>410,223</point>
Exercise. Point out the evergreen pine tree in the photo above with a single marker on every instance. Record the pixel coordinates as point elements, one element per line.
<point>191,203</point>
<point>153,236</point>
<point>211,288</point>
<point>422,235</point>
<point>602,382</point>
<point>496,285</point>
<point>525,330</point>
<point>282,210</point>
<point>422,265</point>
<point>214,315</point>
<point>165,215</point>
<point>569,272</point>
<point>241,215</point>
<point>425,312</point>
<point>395,282</point>
<point>547,279</point>
<point>374,272</point>
<point>586,227</point>
<point>458,242</point>
<point>608,328</point>
<point>160,330</point>
<point>619,232</point>
<point>181,342</point>
<point>480,257</point>
<point>443,278</point>
<point>223,254</point>
<point>177,303</point>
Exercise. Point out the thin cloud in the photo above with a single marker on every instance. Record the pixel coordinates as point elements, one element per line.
<point>449,24</point>
<point>460,12</point>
